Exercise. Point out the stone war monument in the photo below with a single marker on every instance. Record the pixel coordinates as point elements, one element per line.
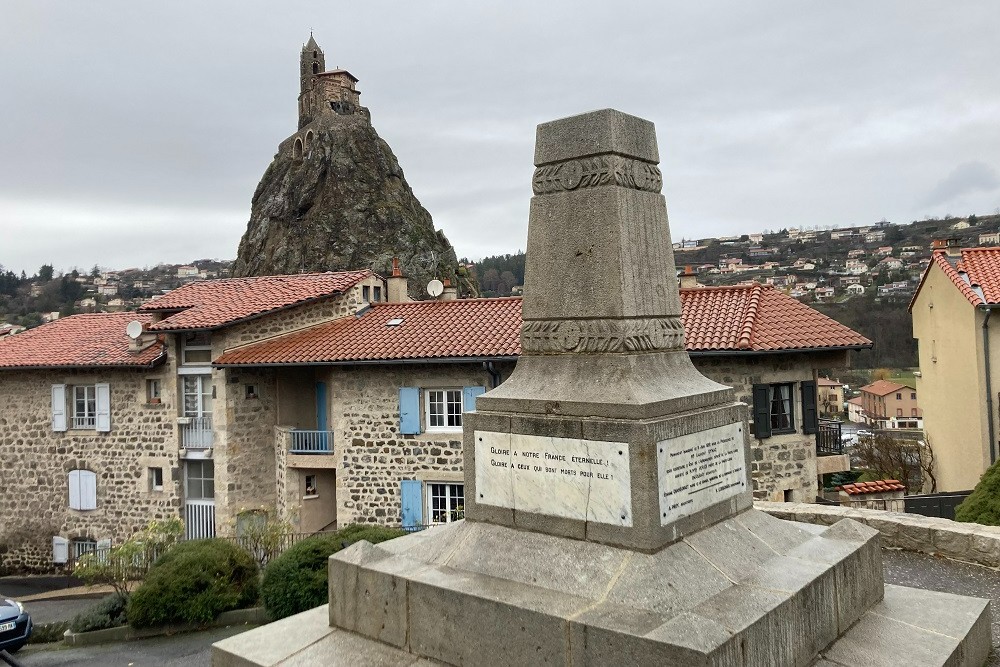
<point>609,518</point>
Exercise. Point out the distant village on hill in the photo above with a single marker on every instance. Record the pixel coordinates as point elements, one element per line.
<point>841,271</point>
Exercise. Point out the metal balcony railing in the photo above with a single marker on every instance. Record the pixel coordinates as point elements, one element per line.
<point>311,442</point>
<point>829,440</point>
<point>196,432</point>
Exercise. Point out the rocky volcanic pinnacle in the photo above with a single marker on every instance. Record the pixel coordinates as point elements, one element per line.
<point>334,198</point>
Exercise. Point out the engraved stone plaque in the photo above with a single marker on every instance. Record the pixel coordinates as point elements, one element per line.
<point>566,477</point>
<point>698,470</point>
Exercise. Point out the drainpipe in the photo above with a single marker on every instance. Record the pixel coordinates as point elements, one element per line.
<point>989,387</point>
<point>494,374</point>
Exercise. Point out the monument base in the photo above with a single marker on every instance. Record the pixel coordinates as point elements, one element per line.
<point>750,590</point>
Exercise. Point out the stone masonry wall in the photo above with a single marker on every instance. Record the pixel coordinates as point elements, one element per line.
<point>373,455</point>
<point>785,462</point>
<point>292,319</point>
<point>35,462</point>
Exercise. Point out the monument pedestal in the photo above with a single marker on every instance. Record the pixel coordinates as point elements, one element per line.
<point>609,516</point>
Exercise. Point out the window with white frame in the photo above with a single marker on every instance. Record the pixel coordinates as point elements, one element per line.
<point>84,406</point>
<point>199,482</point>
<point>156,479</point>
<point>445,502</point>
<point>196,348</point>
<point>444,409</point>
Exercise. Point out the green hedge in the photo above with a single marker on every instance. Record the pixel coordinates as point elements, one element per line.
<point>983,504</point>
<point>108,613</point>
<point>296,580</point>
<point>193,583</point>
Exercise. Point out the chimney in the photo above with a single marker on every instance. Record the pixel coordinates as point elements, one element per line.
<point>952,247</point>
<point>688,278</point>
<point>396,285</point>
<point>450,293</point>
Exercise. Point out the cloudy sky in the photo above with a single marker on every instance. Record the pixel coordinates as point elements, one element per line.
<point>134,133</point>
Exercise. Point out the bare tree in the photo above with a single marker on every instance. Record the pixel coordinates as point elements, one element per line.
<point>896,458</point>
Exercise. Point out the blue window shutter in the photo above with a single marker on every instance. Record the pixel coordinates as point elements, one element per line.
<point>469,398</point>
<point>409,410</point>
<point>411,497</point>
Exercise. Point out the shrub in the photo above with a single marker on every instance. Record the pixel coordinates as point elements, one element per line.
<point>45,633</point>
<point>108,613</point>
<point>983,504</point>
<point>193,583</point>
<point>123,565</point>
<point>297,579</point>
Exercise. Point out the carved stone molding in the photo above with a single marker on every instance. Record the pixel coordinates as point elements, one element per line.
<point>592,172</point>
<point>602,335</point>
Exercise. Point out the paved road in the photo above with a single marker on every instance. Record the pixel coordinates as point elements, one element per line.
<point>907,568</point>
<point>22,587</point>
<point>190,649</point>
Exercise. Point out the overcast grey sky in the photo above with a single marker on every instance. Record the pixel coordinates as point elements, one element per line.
<point>135,133</point>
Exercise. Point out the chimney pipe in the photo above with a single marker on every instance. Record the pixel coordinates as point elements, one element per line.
<point>450,292</point>
<point>688,278</point>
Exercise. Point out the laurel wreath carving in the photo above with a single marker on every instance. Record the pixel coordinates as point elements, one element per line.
<point>597,171</point>
<point>602,335</point>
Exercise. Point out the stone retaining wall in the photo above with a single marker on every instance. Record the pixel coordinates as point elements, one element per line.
<point>962,541</point>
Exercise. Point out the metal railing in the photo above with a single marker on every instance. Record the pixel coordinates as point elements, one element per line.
<point>311,442</point>
<point>196,432</point>
<point>199,519</point>
<point>829,438</point>
<point>83,421</point>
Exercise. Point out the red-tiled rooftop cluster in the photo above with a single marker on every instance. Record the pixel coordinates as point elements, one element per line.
<point>79,341</point>
<point>389,331</point>
<point>879,486</point>
<point>755,317</point>
<point>884,387</point>
<point>211,304</point>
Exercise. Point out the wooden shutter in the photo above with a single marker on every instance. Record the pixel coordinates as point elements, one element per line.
<point>60,550</point>
<point>58,407</point>
<point>88,490</point>
<point>411,501</point>
<point>810,419</point>
<point>409,410</point>
<point>103,394</point>
<point>469,397</point>
<point>74,489</point>
<point>761,411</point>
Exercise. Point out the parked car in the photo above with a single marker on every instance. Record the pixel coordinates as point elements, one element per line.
<point>15,625</point>
<point>865,433</point>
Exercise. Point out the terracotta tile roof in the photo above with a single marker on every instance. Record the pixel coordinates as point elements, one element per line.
<point>855,401</point>
<point>79,341</point>
<point>758,318</point>
<point>745,318</point>
<point>395,331</point>
<point>210,304</point>
<point>879,486</point>
<point>884,387</point>
<point>981,266</point>
<point>827,382</point>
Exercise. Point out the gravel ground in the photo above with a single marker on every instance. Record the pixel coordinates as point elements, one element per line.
<point>907,568</point>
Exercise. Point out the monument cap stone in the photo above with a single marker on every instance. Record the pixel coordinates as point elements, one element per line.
<point>596,133</point>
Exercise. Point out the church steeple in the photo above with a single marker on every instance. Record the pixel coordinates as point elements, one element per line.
<point>311,62</point>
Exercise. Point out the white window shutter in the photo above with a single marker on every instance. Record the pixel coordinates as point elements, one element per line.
<point>60,549</point>
<point>74,489</point>
<point>88,490</point>
<point>58,407</point>
<point>103,392</point>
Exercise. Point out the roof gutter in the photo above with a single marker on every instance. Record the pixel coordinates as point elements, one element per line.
<point>989,383</point>
<point>374,362</point>
<point>796,350</point>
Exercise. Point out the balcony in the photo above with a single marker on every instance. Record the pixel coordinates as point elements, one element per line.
<point>196,432</point>
<point>829,440</point>
<point>311,442</point>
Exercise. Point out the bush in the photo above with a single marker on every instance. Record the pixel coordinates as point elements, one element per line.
<point>193,583</point>
<point>108,613</point>
<point>45,633</point>
<point>983,504</point>
<point>297,579</point>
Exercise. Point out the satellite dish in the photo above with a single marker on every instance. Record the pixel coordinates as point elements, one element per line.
<point>435,288</point>
<point>133,329</point>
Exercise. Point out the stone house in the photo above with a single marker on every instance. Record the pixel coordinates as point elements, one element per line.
<point>831,396</point>
<point>333,399</point>
<point>959,354</point>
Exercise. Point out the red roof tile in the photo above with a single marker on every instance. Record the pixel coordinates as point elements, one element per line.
<point>745,318</point>
<point>878,486</point>
<point>758,318</point>
<point>425,330</point>
<point>981,268</point>
<point>884,387</point>
<point>210,304</point>
<point>79,341</point>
